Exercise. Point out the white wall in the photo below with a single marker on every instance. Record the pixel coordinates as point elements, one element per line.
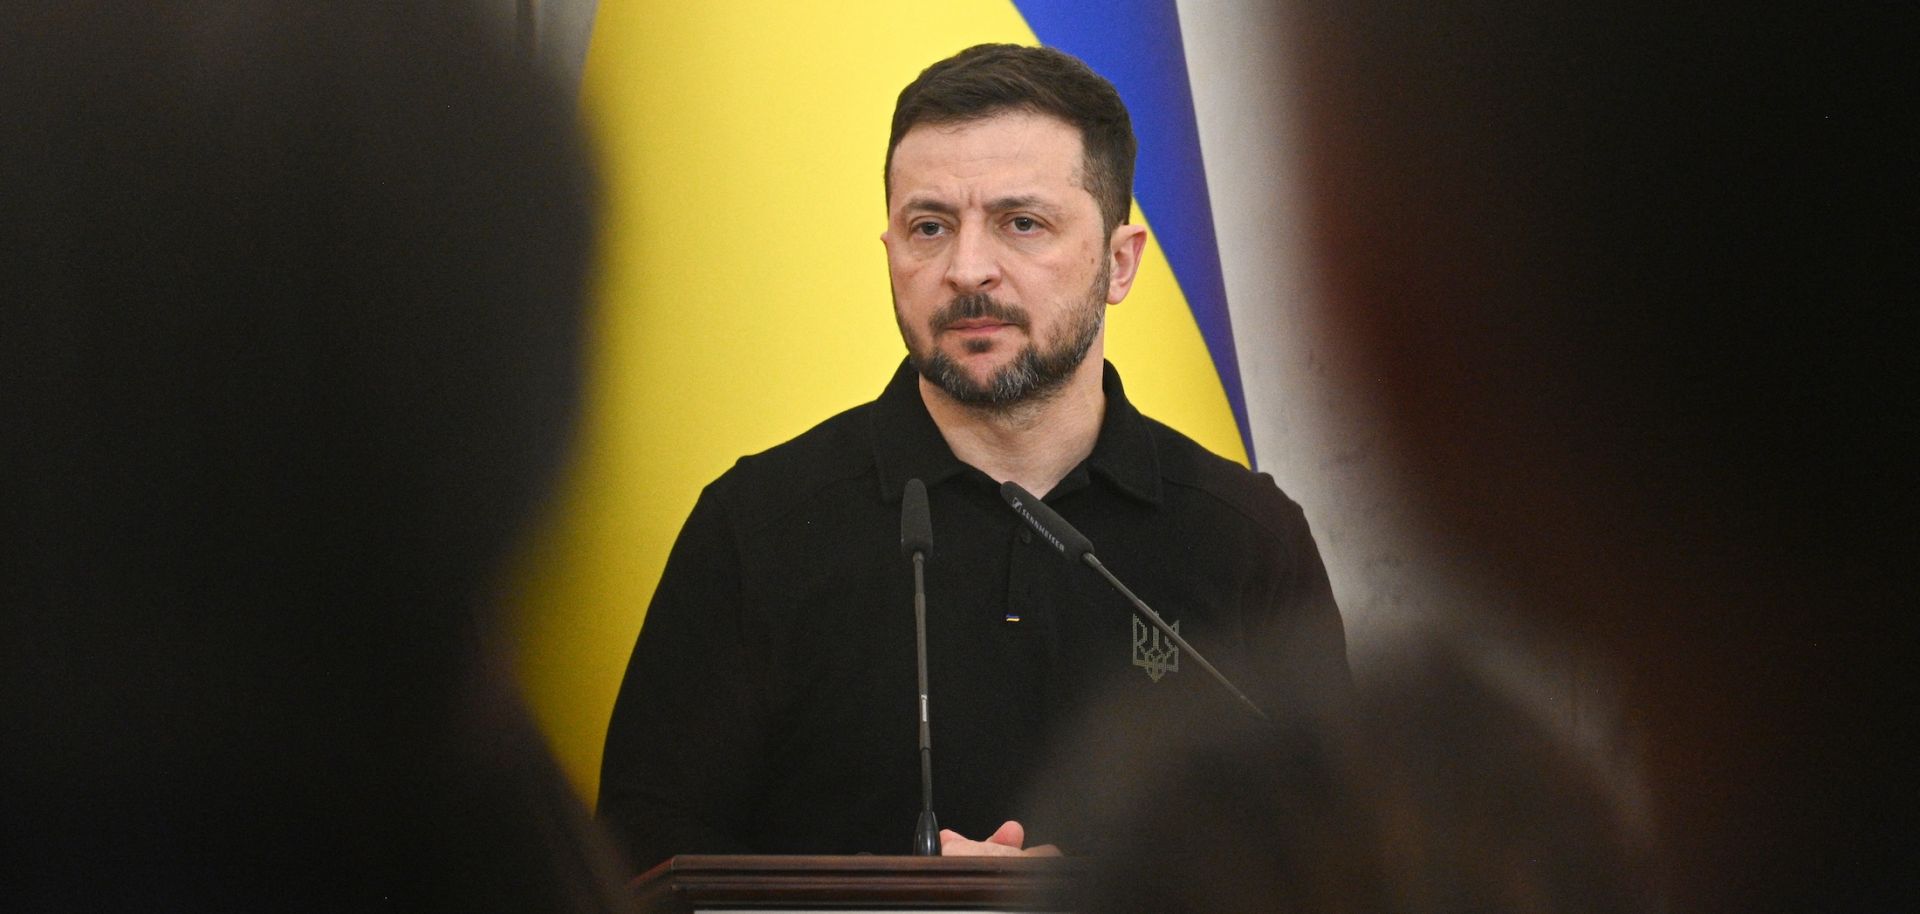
<point>1316,437</point>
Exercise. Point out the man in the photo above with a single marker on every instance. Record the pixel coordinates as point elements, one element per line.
<point>770,705</point>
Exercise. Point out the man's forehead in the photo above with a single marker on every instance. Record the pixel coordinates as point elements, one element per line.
<point>1037,152</point>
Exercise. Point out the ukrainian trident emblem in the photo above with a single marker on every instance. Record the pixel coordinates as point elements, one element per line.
<point>1153,654</point>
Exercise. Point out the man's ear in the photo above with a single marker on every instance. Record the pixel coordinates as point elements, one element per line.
<point>1123,260</point>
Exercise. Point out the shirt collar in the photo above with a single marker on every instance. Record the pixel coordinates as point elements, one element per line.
<point>907,444</point>
<point>1124,453</point>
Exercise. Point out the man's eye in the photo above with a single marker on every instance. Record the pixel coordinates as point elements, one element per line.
<point>927,228</point>
<point>1023,224</point>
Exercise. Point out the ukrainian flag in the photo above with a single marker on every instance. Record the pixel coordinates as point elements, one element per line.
<point>742,293</point>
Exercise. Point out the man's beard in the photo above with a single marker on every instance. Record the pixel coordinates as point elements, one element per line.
<point>1034,374</point>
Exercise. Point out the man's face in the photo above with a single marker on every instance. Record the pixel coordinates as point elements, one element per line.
<point>1001,272</point>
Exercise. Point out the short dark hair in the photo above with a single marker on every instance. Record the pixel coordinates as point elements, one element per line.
<point>989,79</point>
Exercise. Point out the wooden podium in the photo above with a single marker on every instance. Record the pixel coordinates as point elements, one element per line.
<point>691,883</point>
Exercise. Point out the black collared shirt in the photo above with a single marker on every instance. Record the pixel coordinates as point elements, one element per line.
<point>771,702</point>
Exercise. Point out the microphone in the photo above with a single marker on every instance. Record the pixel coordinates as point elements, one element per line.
<point>916,524</point>
<point>916,541</point>
<point>1075,546</point>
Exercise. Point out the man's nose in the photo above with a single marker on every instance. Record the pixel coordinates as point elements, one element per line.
<point>975,264</point>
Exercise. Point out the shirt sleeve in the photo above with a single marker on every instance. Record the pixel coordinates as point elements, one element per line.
<point>685,751</point>
<point>1302,640</point>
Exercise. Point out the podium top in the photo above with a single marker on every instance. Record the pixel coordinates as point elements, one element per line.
<point>689,883</point>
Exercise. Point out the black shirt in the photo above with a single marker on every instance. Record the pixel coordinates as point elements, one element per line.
<point>771,702</point>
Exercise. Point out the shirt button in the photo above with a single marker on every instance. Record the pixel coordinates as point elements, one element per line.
<point>1026,536</point>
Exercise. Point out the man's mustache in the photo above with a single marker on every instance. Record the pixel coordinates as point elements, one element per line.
<point>976,306</point>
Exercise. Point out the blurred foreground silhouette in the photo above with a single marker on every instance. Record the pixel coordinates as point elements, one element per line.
<point>294,303</point>
<point>1627,286</point>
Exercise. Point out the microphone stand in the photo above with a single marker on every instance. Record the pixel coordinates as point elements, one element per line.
<point>1072,544</point>
<point>1168,630</point>
<point>916,540</point>
<point>926,832</point>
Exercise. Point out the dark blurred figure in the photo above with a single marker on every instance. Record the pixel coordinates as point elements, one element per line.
<point>1447,787</point>
<point>293,304</point>
<point>1629,283</point>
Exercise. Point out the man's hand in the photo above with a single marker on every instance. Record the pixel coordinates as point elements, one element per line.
<point>1006,841</point>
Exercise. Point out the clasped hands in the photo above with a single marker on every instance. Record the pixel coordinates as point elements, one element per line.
<point>1009,840</point>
